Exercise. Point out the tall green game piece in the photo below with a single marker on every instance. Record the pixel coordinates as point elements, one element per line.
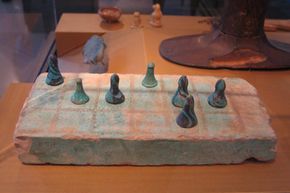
<point>150,81</point>
<point>114,95</point>
<point>187,117</point>
<point>54,77</point>
<point>79,97</point>
<point>218,98</point>
<point>181,93</point>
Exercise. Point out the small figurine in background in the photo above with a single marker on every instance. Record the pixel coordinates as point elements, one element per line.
<point>54,77</point>
<point>79,97</point>
<point>94,53</point>
<point>181,93</point>
<point>136,20</point>
<point>149,80</point>
<point>156,16</point>
<point>187,117</point>
<point>114,95</point>
<point>218,99</point>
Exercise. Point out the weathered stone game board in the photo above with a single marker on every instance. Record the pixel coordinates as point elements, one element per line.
<point>142,130</point>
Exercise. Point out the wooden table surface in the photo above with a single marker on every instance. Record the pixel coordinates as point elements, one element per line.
<point>274,90</point>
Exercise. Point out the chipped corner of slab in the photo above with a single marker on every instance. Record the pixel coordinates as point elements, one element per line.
<point>49,117</point>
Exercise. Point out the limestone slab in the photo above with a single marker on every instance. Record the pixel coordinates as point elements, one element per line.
<point>142,130</point>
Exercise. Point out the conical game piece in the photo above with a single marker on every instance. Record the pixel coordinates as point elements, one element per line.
<point>114,95</point>
<point>218,99</point>
<point>79,97</point>
<point>181,93</point>
<point>187,117</point>
<point>54,77</point>
<point>150,81</point>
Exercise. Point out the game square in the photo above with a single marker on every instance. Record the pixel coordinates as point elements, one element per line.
<point>151,124</point>
<point>32,119</point>
<point>149,101</point>
<point>224,125</point>
<point>48,99</point>
<point>254,124</point>
<point>247,104</point>
<point>104,105</point>
<point>113,124</point>
<point>207,108</point>
<point>78,121</point>
<point>91,104</point>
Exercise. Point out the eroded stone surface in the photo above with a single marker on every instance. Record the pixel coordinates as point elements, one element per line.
<point>53,130</point>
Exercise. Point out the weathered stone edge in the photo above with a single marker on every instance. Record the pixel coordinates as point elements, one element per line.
<point>152,152</point>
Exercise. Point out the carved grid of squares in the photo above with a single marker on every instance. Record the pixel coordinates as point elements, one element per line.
<point>147,112</point>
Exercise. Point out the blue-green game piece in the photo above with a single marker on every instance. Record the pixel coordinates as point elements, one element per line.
<point>79,97</point>
<point>54,77</point>
<point>149,80</point>
<point>114,95</point>
<point>187,117</point>
<point>181,93</point>
<point>218,99</point>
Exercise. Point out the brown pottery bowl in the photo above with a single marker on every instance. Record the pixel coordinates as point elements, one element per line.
<point>110,14</point>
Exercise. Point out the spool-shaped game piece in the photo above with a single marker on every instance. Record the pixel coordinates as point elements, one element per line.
<point>150,81</point>
<point>79,97</point>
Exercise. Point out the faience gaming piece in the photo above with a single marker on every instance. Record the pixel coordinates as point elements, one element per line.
<point>54,77</point>
<point>79,97</point>
<point>114,95</point>
<point>218,99</point>
<point>149,80</point>
<point>187,117</point>
<point>181,93</point>
<point>156,16</point>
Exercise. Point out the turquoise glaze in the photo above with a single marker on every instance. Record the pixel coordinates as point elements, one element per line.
<point>54,77</point>
<point>114,95</point>
<point>187,117</point>
<point>181,93</point>
<point>218,99</point>
<point>150,81</point>
<point>79,97</point>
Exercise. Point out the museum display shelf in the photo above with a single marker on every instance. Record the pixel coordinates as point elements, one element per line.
<point>132,48</point>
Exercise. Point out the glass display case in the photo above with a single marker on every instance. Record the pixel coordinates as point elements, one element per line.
<point>26,36</point>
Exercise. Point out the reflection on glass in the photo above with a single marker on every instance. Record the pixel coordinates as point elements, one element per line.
<point>27,26</point>
<point>26,35</point>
